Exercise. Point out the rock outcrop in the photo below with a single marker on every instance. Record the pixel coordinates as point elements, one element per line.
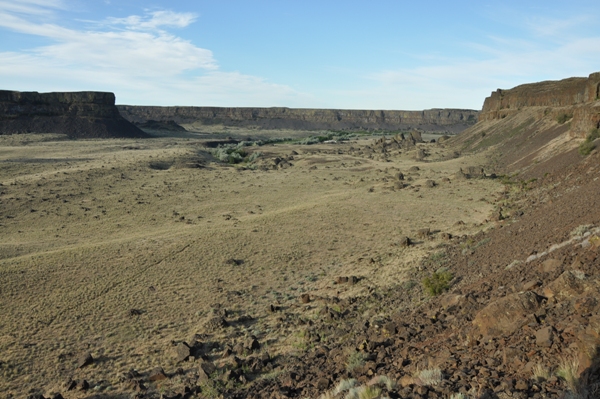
<point>78,114</point>
<point>438,120</point>
<point>576,98</point>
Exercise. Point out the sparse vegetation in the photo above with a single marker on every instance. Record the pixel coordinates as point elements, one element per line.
<point>540,373</point>
<point>371,390</point>
<point>438,282</point>
<point>234,154</point>
<point>438,257</point>
<point>568,371</point>
<point>314,236</point>
<point>562,118</point>
<point>430,376</point>
<point>581,230</point>
<point>355,360</point>
<point>588,145</point>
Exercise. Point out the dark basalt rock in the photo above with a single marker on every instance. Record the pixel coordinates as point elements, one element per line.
<point>84,114</point>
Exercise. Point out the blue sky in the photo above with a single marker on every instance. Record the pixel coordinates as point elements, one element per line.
<point>309,54</point>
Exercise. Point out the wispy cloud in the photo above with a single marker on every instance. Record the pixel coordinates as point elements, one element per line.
<point>135,56</point>
<point>31,7</point>
<point>496,62</point>
<point>155,20</point>
<point>557,28</point>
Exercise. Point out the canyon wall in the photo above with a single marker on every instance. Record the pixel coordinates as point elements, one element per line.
<point>439,120</point>
<point>576,98</point>
<point>78,114</point>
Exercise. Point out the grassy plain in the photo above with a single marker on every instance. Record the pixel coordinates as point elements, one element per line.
<point>119,247</point>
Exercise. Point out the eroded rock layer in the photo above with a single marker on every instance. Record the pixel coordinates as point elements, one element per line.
<point>439,120</point>
<point>577,98</point>
<point>84,114</point>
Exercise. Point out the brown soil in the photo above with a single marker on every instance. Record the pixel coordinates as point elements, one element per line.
<point>307,270</point>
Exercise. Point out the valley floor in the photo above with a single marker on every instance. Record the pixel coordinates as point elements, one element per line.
<point>122,248</point>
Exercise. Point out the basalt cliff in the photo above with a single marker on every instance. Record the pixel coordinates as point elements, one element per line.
<point>84,114</point>
<point>576,98</point>
<point>536,128</point>
<point>433,120</point>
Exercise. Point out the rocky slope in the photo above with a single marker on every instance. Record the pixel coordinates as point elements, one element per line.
<point>434,120</point>
<point>77,114</point>
<point>516,310</point>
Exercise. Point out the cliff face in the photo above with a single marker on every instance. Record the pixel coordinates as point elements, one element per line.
<point>77,114</point>
<point>535,129</point>
<point>576,97</point>
<point>447,120</point>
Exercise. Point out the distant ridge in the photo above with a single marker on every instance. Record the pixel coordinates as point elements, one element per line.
<point>83,114</point>
<point>433,120</point>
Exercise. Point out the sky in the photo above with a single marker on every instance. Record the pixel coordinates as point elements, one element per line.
<point>378,54</point>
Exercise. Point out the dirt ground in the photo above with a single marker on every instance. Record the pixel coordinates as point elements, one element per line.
<point>119,247</point>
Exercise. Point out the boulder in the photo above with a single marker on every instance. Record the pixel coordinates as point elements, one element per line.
<point>531,285</point>
<point>569,284</point>
<point>544,337</point>
<point>506,315</point>
<point>84,360</point>
<point>550,265</point>
<point>157,374</point>
<point>182,351</point>
<point>305,298</point>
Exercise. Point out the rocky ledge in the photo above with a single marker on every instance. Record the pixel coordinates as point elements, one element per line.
<point>78,114</point>
<point>574,99</point>
<point>433,120</point>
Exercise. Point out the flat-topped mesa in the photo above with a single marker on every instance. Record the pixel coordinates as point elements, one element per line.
<point>576,96</point>
<point>447,120</point>
<point>85,114</point>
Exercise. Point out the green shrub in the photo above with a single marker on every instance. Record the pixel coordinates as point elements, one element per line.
<point>588,145</point>
<point>562,118</point>
<point>437,283</point>
<point>234,154</point>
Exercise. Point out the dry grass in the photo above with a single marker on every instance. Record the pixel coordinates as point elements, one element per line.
<point>568,371</point>
<point>372,390</point>
<point>430,377</point>
<point>540,372</point>
<point>90,230</point>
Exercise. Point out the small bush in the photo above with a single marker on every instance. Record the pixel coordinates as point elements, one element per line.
<point>430,376</point>
<point>586,148</point>
<point>438,257</point>
<point>355,360</point>
<point>588,145</point>
<point>437,283</point>
<point>234,154</point>
<point>562,118</point>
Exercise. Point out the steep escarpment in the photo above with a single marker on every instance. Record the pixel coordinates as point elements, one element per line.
<point>575,98</point>
<point>437,120</point>
<point>536,128</point>
<point>78,114</point>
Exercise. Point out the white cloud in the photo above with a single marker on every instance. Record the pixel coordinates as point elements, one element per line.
<point>155,20</point>
<point>134,56</point>
<point>31,7</point>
